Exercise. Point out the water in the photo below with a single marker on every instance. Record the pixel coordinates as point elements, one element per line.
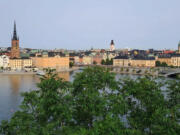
<point>11,87</point>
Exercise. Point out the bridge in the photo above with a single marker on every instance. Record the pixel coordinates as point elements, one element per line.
<point>170,72</point>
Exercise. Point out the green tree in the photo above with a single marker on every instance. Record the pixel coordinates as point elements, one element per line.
<point>71,64</point>
<point>95,103</point>
<point>103,62</point>
<point>164,64</point>
<point>94,62</point>
<point>148,110</point>
<point>158,63</point>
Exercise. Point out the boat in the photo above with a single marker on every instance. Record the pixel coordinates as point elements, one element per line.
<point>40,72</point>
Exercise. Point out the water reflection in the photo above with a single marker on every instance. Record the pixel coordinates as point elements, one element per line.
<point>14,81</point>
<point>11,87</point>
<point>64,75</point>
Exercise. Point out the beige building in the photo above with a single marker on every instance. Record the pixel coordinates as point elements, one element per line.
<point>27,63</point>
<point>143,63</point>
<point>124,61</point>
<point>15,64</point>
<point>87,60</point>
<point>58,63</point>
<point>175,61</point>
<point>121,61</point>
<point>19,64</point>
<point>76,59</point>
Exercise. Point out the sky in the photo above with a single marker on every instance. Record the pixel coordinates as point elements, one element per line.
<point>82,24</point>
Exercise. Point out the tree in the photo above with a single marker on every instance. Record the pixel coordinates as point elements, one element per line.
<point>95,103</point>
<point>164,64</point>
<point>103,62</point>
<point>158,63</point>
<point>148,110</point>
<point>71,64</point>
<point>107,62</point>
<point>94,62</point>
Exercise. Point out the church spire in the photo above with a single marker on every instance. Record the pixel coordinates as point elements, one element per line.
<point>112,42</point>
<point>14,33</point>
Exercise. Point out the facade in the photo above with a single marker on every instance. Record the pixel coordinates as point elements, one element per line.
<point>27,63</point>
<point>87,60</point>
<point>121,61</point>
<point>97,59</point>
<point>19,64</point>
<point>4,61</point>
<point>58,63</point>
<point>76,59</point>
<point>16,64</point>
<point>124,61</point>
<point>166,59</point>
<point>143,62</point>
<point>175,60</point>
<point>15,51</point>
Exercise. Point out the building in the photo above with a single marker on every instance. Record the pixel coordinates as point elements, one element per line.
<point>87,60</point>
<point>175,60</point>
<point>97,59</point>
<point>165,58</point>
<point>15,51</point>
<point>121,61</point>
<point>76,60</point>
<point>58,63</point>
<point>112,46</point>
<point>4,61</point>
<point>19,64</point>
<point>16,64</point>
<point>26,63</point>
<point>125,61</point>
<point>143,62</point>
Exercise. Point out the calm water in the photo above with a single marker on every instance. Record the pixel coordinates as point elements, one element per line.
<point>11,87</point>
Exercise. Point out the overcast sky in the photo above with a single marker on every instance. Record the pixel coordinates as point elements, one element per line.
<point>82,24</point>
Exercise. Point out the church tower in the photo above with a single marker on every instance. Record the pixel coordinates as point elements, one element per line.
<point>15,51</point>
<point>112,47</point>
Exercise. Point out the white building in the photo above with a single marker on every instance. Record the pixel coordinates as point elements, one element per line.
<point>4,61</point>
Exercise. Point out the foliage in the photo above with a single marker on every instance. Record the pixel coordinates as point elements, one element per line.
<point>96,103</point>
<point>159,64</point>
<point>107,62</point>
<point>94,62</point>
<point>71,64</point>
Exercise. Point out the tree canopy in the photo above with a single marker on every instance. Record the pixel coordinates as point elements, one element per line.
<point>96,103</point>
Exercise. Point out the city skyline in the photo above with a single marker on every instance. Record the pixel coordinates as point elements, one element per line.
<point>82,25</point>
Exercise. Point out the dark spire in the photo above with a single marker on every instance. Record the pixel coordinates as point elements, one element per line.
<point>112,42</point>
<point>14,33</point>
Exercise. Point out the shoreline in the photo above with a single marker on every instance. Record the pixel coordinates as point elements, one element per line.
<point>17,73</point>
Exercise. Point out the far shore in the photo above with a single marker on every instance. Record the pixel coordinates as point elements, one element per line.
<point>17,73</point>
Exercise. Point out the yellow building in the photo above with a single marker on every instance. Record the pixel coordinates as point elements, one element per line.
<point>121,61</point>
<point>18,64</point>
<point>143,63</point>
<point>15,64</point>
<point>27,63</point>
<point>58,63</point>
<point>165,58</point>
<point>175,60</point>
<point>87,60</point>
<point>124,61</point>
